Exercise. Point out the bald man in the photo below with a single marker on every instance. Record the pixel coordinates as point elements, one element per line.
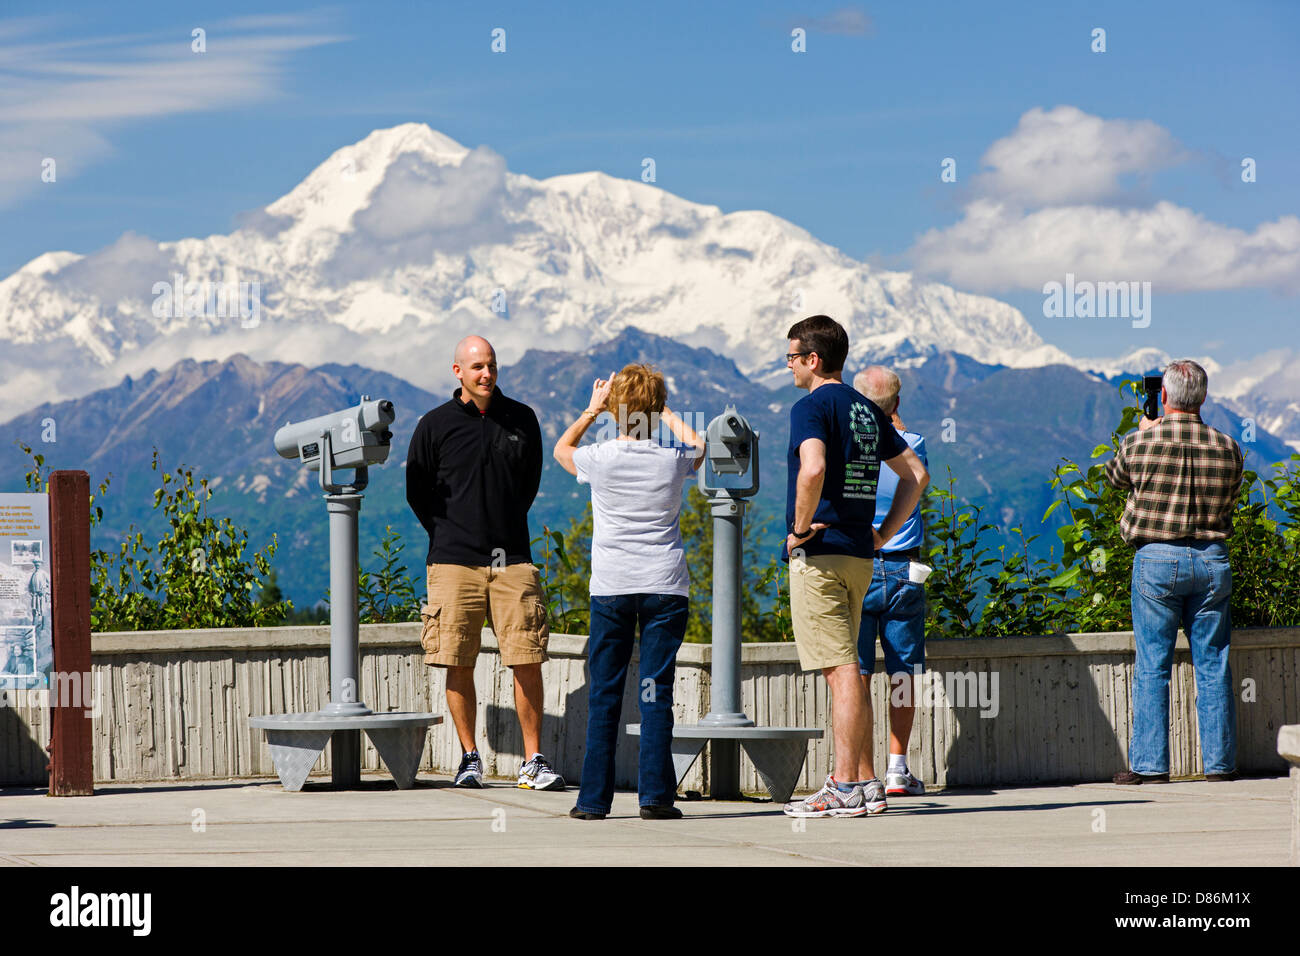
<point>894,606</point>
<point>472,473</point>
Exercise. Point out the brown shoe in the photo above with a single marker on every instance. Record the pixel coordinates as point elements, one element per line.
<point>660,813</point>
<point>1221,777</point>
<point>1128,778</point>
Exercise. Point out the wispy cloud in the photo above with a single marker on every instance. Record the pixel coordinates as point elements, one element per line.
<point>1053,198</point>
<point>64,99</point>
<point>846,21</point>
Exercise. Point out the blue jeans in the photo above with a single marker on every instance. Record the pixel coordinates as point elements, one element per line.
<point>1187,583</point>
<point>894,610</point>
<point>614,620</point>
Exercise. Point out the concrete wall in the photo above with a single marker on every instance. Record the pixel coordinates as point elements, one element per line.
<point>175,704</point>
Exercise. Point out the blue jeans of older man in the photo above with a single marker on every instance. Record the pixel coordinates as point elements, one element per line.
<point>614,621</point>
<point>1188,583</point>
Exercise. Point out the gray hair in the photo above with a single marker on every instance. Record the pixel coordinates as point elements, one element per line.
<point>880,385</point>
<point>1185,384</point>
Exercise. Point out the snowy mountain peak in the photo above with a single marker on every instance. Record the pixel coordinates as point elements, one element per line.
<point>1143,361</point>
<point>48,262</point>
<point>336,189</point>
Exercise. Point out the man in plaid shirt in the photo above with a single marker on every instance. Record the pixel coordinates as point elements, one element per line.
<point>1183,478</point>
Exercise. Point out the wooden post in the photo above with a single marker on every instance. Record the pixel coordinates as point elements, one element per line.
<point>72,684</point>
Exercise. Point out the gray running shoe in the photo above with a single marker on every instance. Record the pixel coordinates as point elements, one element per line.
<point>873,796</point>
<point>903,785</point>
<point>470,773</point>
<point>829,801</point>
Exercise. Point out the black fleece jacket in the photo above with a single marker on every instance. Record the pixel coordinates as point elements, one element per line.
<point>471,478</point>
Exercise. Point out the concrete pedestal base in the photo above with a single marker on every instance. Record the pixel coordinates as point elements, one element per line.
<point>296,741</point>
<point>778,754</point>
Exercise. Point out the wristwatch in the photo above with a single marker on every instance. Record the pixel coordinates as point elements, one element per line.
<point>797,533</point>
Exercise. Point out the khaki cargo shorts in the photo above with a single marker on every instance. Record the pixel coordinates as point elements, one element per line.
<point>459,600</point>
<point>826,593</point>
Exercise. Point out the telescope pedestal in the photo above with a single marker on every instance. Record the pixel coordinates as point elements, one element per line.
<point>777,754</point>
<point>297,740</point>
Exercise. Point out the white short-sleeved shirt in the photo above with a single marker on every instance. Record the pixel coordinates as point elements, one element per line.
<point>636,498</point>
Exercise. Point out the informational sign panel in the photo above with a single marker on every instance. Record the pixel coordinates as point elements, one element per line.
<point>26,637</point>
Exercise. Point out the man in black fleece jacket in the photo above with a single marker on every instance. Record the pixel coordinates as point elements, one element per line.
<point>472,473</point>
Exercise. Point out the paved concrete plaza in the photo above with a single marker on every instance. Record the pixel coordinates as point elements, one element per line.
<point>254,822</point>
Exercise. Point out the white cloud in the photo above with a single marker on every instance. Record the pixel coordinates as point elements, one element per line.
<point>421,207</point>
<point>1274,374</point>
<point>417,196</point>
<point>997,246</point>
<point>61,99</point>
<point>1040,211</point>
<point>124,269</point>
<point>1063,156</point>
<point>846,21</point>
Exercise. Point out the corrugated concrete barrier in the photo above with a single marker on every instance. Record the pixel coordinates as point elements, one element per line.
<point>174,705</point>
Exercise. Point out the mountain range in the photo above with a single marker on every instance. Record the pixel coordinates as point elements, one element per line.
<point>1007,428</point>
<point>410,237</point>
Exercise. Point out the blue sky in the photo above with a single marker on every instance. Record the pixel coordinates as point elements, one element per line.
<point>845,140</point>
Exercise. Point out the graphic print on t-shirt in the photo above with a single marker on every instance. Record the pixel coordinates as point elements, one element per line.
<point>862,471</point>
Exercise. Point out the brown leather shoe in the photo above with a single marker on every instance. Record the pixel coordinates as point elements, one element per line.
<point>1221,777</point>
<point>1128,778</point>
<point>660,813</point>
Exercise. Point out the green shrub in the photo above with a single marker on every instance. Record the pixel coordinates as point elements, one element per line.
<point>196,576</point>
<point>387,595</point>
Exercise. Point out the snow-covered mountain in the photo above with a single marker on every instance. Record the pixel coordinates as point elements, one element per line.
<point>396,246</point>
<point>1266,388</point>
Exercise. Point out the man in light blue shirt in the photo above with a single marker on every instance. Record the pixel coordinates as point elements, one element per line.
<point>894,607</point>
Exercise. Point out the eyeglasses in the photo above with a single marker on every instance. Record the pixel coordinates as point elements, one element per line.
<point>794,355</point>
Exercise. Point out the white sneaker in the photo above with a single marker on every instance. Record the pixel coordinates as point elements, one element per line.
<point>536,774</point>
<point>470,772</point>
<point>903,785</point>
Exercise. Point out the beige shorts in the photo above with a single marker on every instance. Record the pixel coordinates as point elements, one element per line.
<point>460,599</point>
<point>826,593</point>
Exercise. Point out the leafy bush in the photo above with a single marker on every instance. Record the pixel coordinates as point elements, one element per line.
<point>196,575</point>
<point>387,595</point>
<point>974,593</point>
<point>565,570</point>
<point>1264,551</point>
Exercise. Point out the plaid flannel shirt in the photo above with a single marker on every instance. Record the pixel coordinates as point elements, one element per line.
<point>1183,478</point>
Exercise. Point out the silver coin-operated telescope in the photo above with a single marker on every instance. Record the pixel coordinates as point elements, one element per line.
<point>354,438</point>
<point>728,476</point>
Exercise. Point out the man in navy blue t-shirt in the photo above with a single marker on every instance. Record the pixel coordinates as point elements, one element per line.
<point>838,440</point>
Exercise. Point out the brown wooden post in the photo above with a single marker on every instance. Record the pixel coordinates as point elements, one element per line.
<point>72,684</point>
